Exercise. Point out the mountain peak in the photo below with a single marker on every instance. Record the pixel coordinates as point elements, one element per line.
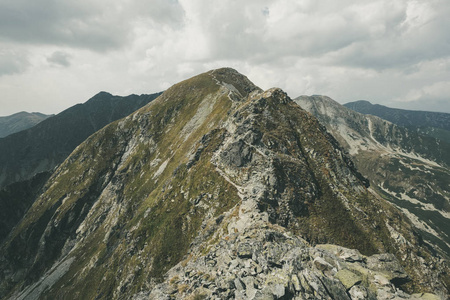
<point>229,76</point>
<point>362,102</point>
<point>100,96</point>
<point>225,70</point>
<point>213,168</point>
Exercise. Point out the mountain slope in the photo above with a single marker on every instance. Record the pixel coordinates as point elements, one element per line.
<point>20,121</point>
<point>212,163</point>
<point>47,144</point>
<point>410,169</point>
<point>16,199</point>
<point>431,123</point>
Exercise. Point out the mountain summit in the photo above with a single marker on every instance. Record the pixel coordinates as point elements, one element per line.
<point>216,189</point>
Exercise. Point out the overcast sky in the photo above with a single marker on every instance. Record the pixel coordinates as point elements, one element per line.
<point>54,54</point>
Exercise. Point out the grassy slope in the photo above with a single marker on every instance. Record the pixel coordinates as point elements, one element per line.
<point>170,222</point>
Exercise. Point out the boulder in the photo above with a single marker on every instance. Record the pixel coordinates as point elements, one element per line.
<point>348,278</point>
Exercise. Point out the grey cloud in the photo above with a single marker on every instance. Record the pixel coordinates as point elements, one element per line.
<point>59,58</point>
<point>362,34</point>
<point>347,49</point>
<point>162,12</point>
<point>250,33</point>
<point>399,53</point>
<point>402,45</point>
<point>12,62</point>
<point>97,25</point>
<point>233,31</point>
<point>54,22</point>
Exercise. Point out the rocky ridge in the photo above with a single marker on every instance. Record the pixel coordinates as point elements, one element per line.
<point>264,261</point>
<point>214,167</point>
<point>248,257</point>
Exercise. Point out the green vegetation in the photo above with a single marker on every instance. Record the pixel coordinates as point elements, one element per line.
<point>162,210</point>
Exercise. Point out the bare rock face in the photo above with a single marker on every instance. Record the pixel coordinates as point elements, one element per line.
<point>237,154</point>
<point>215,190</point>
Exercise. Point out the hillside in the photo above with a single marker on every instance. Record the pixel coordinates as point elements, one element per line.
<point>216,189</point>
<point>44,146</point>
<point>16,199</point>
<point>20,121</point>
<point>406,167</point>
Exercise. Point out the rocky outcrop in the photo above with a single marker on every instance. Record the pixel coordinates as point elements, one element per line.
<point>266,262</point>
<point>253,253</point>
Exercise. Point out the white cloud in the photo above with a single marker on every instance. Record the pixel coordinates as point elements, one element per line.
<point>98,25</point>
<point>389,52</point>
<point>12,61</point>
<point>436,91</point>
<point>60,58</point>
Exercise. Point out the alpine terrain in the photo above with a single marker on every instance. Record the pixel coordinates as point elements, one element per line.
<point>216,190</point>
<point>408,168</point>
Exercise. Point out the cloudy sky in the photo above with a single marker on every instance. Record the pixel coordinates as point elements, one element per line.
<point>54,54</point>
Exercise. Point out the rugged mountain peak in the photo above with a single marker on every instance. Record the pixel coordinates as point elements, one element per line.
<point>276,94</point>
<point>235,82</point>
<point>213,167</point>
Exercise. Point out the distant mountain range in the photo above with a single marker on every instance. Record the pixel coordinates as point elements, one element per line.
<point>20,121</point>
<point>406,167</point>
<point>430,123</point>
